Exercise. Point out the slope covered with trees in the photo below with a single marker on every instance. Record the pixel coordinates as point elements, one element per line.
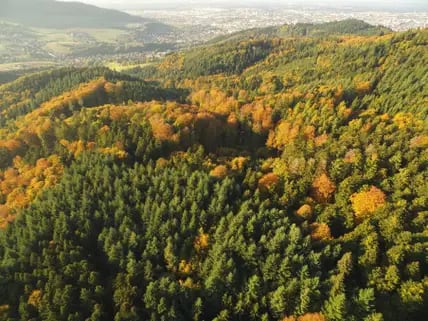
<point>260,179</point>
<point>57,14</point>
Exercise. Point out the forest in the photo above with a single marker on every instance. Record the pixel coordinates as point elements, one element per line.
<point>277,177</point>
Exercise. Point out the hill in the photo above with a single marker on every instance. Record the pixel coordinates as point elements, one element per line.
<point>272,178</point>
<point>59,15</point>
<point>342,27</point>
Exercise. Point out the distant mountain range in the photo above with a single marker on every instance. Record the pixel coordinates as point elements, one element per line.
<point>55,14</point>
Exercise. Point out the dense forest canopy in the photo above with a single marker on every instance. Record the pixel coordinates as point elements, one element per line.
<point>277,177</point>
<point>58,14</point>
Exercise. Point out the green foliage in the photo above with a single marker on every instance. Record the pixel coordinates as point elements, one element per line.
<point>231,189</point>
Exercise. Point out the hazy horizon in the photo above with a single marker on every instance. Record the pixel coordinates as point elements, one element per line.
<point>394,5</point>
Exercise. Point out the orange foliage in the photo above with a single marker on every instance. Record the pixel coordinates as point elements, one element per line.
<point>161,130</point>
<point>284,134</point>
<point>268,181</point>
<point>320,232</point>
<point>367,202</point>
<point>11,145</point>
<point>220,171</point>
<point>261,116</point>
<point>22,183</point>
<point>322,188</point>
<point>321,140</point>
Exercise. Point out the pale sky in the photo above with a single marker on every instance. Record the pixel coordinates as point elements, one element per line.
<point>392,5</point>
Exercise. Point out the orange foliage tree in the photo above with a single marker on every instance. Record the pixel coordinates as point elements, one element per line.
<point>23,182</point>
<point>268,181</point>
<point>320,232</point>
<point>322,188</point>
<point>219,171</point>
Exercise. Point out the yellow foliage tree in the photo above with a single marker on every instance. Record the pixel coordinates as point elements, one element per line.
<point>305,211</point>
<point>367,202</point>
<point>238,163</point>
<point>201,241</point>
<point>35,298</point>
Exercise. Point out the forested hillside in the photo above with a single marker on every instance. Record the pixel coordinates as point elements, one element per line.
<point>57,14</point>
<point>279,178</point>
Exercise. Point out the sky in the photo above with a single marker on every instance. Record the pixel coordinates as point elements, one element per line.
<point>392,5</point>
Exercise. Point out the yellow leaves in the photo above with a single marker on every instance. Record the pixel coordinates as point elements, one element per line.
<point>238,163</point>
<point>185,120</point>
<point>284,134</point>
<point>323,62</point>
<point>115,151</point>
<point>201,241</point>
<point>363,87</point>
<point>320,232</point>
<point>305,211</point>
<point>420,141</point>
<point>214,100</point>
<point>3,311</point>
<point>405,120</point>
<point>77,147</point>
<point>322,188</point>
<point>219,171</point>
<point>23,182</point>
<point>367,202</point>
<point>184,267</point>
<point>188,283</point>
<point>268,182</point>
<point>35,298</point>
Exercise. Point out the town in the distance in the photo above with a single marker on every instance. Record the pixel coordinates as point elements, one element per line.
<point>150,30</point>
